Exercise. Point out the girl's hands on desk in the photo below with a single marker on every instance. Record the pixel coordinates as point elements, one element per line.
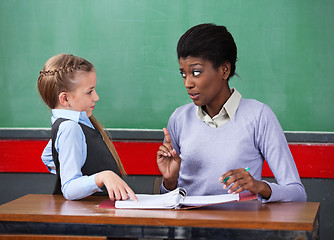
<point>241,180</point>
<point>116,187</point>
<point>169,162</point>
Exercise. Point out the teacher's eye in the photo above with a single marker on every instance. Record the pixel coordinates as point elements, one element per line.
<point>196,73</point>
<point>183,74</point>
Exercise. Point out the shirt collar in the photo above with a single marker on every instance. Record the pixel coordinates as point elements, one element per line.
<point>79,117</point>
<point>227,111</point>
<point>232,103</point>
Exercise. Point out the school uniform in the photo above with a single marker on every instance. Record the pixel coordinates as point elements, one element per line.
<point>79,153</point>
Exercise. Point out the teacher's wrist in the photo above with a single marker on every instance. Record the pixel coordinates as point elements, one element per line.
<point>265,190</point>
<point>170,184</point>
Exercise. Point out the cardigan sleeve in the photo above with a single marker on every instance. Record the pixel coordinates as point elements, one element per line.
<point>274,147</point>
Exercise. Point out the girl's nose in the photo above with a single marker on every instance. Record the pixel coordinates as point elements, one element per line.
<point>96,97</point>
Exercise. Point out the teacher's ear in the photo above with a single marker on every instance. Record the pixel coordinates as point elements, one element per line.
<point>225,68</point>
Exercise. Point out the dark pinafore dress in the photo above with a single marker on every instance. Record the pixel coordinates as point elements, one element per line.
<point>99,158</point>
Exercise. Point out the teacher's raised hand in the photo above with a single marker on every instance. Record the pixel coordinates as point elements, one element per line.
<point>169,162</point>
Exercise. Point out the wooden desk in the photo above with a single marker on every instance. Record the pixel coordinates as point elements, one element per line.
<point>49,215</point>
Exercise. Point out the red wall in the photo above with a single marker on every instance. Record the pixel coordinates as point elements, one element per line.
<point>139,158</point>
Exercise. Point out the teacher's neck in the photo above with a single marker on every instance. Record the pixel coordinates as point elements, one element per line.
<point>214,108</point>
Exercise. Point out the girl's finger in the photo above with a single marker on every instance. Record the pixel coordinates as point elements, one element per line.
<point>131,193</point>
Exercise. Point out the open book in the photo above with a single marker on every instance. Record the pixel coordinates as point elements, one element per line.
<point>177,199</point>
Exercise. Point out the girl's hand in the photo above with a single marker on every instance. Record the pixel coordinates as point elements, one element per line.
<point>241,180</point>
<point>168,162</point>
<point>116,187</point>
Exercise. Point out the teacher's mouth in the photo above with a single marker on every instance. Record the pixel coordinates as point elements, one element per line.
<point>194,96</point>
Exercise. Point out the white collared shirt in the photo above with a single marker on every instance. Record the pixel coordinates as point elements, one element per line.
<point>225,114</point>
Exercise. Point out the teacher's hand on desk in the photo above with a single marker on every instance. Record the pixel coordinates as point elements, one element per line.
<point>241,180</point>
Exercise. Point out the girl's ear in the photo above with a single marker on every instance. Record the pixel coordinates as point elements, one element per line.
<point>226,70</point>
<point>63,99</point>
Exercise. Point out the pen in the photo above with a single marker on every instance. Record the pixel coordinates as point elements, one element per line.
<point>227,178</point>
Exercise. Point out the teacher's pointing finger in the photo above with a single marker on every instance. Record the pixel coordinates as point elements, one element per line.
<point>167,136</point>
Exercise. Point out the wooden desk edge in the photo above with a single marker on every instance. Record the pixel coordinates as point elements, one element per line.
<point>119,220</point>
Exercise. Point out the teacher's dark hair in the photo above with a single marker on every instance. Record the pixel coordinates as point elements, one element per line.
<point>210,42</point>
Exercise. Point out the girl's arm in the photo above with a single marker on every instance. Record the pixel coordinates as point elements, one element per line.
<point>72,151</point>
<point>47,158</point>
<point>116,187</point>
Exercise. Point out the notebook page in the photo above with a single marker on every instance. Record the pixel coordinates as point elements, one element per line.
<point>206,200</point>
<point>149,201</point>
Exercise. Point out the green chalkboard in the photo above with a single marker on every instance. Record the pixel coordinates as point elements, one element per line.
<point>286,56</point>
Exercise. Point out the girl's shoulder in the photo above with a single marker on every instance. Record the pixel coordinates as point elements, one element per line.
<point>70,127</point>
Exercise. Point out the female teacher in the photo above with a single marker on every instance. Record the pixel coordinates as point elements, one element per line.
<point>218,143</point>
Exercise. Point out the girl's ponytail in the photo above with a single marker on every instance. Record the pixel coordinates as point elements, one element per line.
<point>110,145</point>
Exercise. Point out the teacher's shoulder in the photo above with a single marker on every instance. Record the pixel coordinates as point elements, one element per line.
<point>184,110</point>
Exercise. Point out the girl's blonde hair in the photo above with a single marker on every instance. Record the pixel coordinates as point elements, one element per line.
<point>59,75</point>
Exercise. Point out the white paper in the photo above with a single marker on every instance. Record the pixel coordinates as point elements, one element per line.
<point>207,200</point>
<point>148,201</point>
<point>173,199</point>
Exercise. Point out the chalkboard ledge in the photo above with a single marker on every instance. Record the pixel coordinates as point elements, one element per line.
<point>153,135</point>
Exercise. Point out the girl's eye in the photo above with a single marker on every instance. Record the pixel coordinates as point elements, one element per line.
<point>196,73</point>
<point>90,92</point>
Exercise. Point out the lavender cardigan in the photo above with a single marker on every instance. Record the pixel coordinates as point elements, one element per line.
<point>254,134</point>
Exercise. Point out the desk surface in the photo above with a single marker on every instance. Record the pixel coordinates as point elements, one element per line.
<point>39,208</point>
